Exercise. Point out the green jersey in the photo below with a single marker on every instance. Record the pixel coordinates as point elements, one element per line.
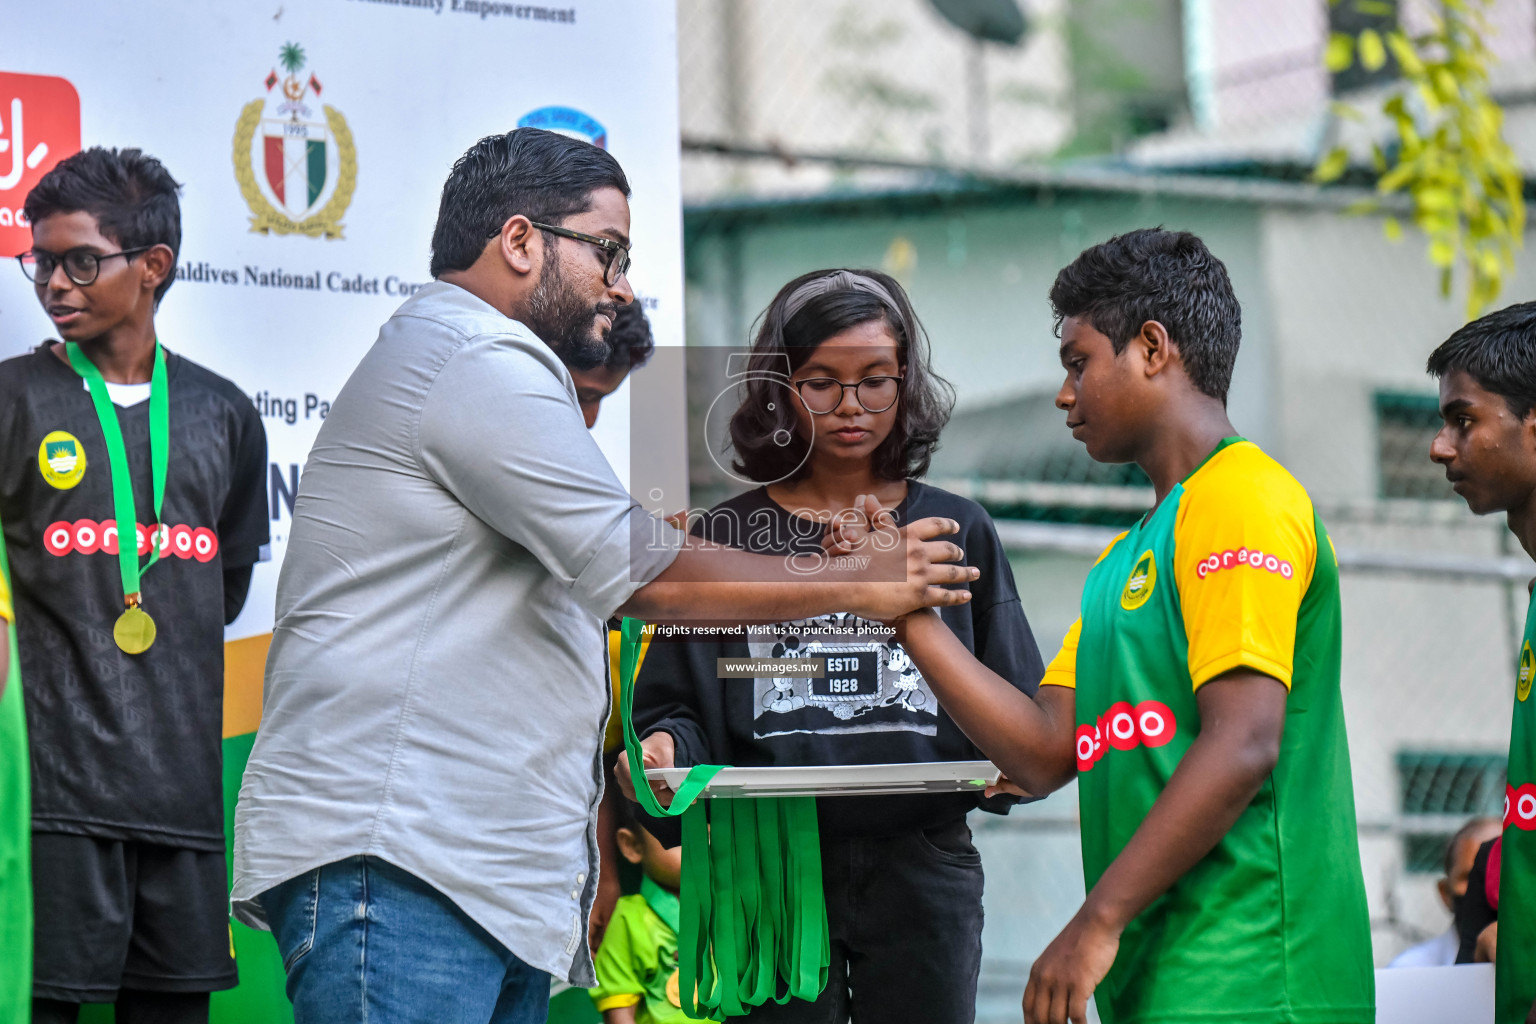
<point>1232,570</point>
<point>637,962</point>
<point>1516,965</point>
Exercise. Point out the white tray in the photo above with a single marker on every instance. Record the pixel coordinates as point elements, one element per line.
<point>841,780</point>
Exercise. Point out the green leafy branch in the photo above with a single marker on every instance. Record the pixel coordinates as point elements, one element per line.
<point>1449,157</point>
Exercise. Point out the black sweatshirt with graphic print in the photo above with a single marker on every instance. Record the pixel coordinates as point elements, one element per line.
<point>871,707</point>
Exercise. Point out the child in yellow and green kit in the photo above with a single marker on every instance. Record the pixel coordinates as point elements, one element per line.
<point>637,977</point>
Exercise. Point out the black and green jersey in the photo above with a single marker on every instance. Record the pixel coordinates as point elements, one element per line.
<point>1232,570</point>
<point>1516,965</point>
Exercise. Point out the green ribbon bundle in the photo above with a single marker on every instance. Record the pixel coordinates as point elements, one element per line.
<point>753,921</point>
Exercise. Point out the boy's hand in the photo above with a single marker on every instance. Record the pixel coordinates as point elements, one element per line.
<point>1068,971</point>
<point>927,569</point>
<point>851,528</point>
<point>656,751</point>
<point>1487,949</point>
<point>1006,787</point>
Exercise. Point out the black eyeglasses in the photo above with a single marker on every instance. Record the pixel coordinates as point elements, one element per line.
<point>822,395</point>
<point>80,265</point>
<point>618,255</point>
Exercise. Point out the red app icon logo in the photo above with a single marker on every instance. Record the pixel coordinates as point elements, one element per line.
<point>39,126</point>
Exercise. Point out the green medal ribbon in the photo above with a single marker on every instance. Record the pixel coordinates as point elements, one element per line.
<point>134,630</point>
<point>753,920</point>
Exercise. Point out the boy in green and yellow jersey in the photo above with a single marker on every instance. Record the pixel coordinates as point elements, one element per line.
<point>637,975</point>
<point>1487,373</point>
<point>1197,698</point>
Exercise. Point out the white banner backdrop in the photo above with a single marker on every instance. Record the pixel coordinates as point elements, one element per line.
<point>312,138</point>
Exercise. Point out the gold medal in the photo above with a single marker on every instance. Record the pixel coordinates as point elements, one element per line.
<point>134,631</point>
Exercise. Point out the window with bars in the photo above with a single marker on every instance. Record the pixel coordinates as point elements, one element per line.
<point>1440,791</point>
<point>1351,17</point>
<point>1405,425</point>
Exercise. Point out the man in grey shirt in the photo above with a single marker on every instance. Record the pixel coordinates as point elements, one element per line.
<point>416,821</point>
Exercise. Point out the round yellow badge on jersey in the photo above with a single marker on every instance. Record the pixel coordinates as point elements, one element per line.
<point>1527,670</point>
<point>61,457</point>
<point>1139,586</point>
<point>675,990</point>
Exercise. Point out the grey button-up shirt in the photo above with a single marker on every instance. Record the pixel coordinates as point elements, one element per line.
<point>436,690</point>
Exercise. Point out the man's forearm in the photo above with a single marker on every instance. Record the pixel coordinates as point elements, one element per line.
<point>711,582</point>
<point>1238,746</point>
<point>1030,740</point>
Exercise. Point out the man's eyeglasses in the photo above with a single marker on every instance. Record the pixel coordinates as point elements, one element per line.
<point>618,255</point>
<point>822,395</point>
<point>80,265</point>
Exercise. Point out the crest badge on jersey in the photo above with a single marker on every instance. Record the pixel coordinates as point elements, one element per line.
<point>296,165</point>
<point>1527,670</point>
<point>61,458</point>
<point>1138,588</point>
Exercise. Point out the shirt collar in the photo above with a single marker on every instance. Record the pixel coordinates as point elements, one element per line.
<point>664,903</point>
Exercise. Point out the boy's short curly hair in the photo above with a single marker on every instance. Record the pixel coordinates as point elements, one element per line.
<point>1167,276</point>
<point>130,193</point>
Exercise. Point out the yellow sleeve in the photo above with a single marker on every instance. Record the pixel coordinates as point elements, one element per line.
<point>613,735</point>
<point>1245,546</point>
<point>619,981</point>
<point>6,611</point>
<point>1062,671</point>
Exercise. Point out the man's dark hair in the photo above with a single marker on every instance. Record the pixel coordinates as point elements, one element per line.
<point>629,340</point>
<point>1167,276</point>
<point>542,175</point>
<point>130,193</point>
<point>924,406</point>
<point>1499,352</point>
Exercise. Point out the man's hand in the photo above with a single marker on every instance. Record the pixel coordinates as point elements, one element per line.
<point>656,751</point>
<point>1487,948</point>
<point>1068,971</point>
<point>620,1015</point>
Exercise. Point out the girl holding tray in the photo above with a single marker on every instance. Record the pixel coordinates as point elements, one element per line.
<point>858,414</point>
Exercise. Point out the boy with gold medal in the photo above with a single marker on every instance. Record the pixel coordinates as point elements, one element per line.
<point>132,535</point>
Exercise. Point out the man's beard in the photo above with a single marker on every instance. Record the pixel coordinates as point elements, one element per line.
<point>565,322</point>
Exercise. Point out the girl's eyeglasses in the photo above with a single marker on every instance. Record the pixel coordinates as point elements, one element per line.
<point>822,395</point>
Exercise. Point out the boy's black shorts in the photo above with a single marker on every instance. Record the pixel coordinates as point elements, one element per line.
<point>113,914</point>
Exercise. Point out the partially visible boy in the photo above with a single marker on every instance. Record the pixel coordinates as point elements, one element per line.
<point>1460,853</point>
<point>1487,374</point>
<point>637,975</point>
<point>629,347</point>
<point>133,515</point>
<point>1197,698</point>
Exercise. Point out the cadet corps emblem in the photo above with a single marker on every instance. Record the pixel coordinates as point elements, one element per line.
<point>1139,587</point>
<point>61,457</point>
<point>308,163</point>
<point>1527,670</point>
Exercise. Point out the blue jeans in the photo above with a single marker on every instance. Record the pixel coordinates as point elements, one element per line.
<point>364,942</point>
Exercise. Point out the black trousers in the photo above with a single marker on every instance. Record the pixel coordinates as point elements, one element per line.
<point>904,917</point>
